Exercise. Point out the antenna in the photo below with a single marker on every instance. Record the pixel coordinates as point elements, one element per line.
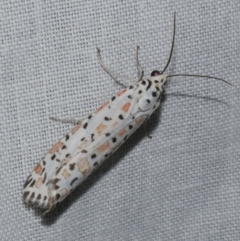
<point>200,76</point>
<point>188,75</point>
<point>171,52</point>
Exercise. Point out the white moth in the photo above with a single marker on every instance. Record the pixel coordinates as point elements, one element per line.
<point>70,161</point>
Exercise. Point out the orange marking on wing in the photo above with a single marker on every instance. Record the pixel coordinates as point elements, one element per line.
<point>100,128</point>
<point>66,160</point>
<point>121,92</point>
<point>122,132</point>
<point>83,144</point>
<point>102,106</point>
<point>56,147</point>
<point>84,166</point>
<point>38,169</point>
<point>38,183</point>
<point>52,200</point>
<point>103,147</point>
<point>76,128</point>
<point>139,120</point>
<point>126,107</point>
<point>114,124</point>
<point>65,174</point>
<point>64,193</point>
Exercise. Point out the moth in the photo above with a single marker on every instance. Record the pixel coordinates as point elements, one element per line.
<point>73,158</point>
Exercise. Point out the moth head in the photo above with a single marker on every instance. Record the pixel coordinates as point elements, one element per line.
<point>158,78</point>
<point>162,79</point>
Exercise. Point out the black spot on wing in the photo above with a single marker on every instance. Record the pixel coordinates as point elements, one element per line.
<point>33,182</point>
<point>53,157</point>
<point>45,177</point>
<point>120,117</point>
<point>32,195</point>
<point>93,156</point>
<point>53,181</point>
<point>85,125</point>
<point>67,137</point>
<point>25,194</point>
<point>107,118</point>
<point>27,182</point>
<point>29,177</point>
<point>74,180</point>
<point>71,166</point>
<point>59,169</point>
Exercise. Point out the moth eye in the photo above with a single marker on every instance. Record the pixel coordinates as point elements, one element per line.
<point>156,81</point>
<point>155,73</point>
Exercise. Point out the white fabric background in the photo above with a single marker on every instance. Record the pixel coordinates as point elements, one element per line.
<point>183,184</point>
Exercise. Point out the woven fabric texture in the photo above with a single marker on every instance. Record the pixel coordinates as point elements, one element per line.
<point>183,184</point>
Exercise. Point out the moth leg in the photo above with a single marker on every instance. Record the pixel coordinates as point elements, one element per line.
<point>48,210</point>
<point>110,72</point>
<point>72,121</point>
<point>140,69</point>
<point>145,130</point>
